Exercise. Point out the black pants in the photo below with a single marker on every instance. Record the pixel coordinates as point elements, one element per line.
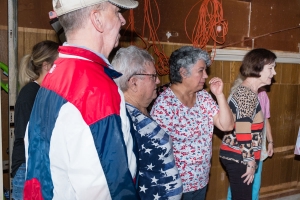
<point>195,195</point>
<point>239,190</point>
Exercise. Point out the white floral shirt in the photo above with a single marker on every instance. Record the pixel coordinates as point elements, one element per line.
<point>191,130</point>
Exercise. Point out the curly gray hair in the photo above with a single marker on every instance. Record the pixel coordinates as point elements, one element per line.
<point>186,57</point>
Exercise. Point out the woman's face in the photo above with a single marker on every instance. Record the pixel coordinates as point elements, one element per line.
<point>267,73</point>
<point>197,77</point>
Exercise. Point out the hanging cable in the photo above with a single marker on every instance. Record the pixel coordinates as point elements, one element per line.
<point>162,66</point>
<point>131,27</point>
<point>210,24</point>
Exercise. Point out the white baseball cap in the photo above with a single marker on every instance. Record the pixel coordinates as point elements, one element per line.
<point>62,7</point>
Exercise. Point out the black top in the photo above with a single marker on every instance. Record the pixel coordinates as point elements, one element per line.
<point>23,109</point>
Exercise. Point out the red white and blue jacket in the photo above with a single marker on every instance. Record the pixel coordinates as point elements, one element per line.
<point>78,142</point>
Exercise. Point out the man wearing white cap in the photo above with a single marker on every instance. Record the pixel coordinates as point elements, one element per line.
<point>78,143</point>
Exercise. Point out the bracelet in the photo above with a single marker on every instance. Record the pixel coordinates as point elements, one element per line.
<point>271,142</point>
<point>253,167</point>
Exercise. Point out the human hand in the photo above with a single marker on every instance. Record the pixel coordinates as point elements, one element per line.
<point>52,15</point>
<point>251,167</point>
<point>216,86</point>
<point>270,149</point>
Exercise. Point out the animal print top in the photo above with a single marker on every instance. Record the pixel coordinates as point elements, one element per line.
<point>243,144</point>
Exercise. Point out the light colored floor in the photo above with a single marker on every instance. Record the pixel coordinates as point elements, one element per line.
<point>289,194</point>
<point>292,197</point>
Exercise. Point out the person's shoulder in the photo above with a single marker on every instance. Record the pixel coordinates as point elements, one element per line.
<point>263,94</point>
<point>31,84</point>
<point>246,99</point>
<point>29,88</point>
<point>163,99</point>
<point>244,95</point>
<point>242,90</point>
<point>28,93</point>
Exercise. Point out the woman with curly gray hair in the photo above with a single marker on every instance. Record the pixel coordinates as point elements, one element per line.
<point>188,114</point>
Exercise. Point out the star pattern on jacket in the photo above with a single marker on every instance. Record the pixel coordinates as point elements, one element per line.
<point>158,176</point>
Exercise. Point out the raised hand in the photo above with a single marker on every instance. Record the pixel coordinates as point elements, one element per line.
<point>216,86</point>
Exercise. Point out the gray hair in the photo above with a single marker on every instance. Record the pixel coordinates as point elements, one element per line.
<point>130,61</point>
<point>238,81</point>
<point>77,19</point>
<point>186,57</point>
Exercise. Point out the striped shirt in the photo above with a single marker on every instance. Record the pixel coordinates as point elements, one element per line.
<point>243,144</point>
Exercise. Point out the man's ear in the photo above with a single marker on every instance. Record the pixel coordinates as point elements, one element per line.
<point>96,19</point>
<point>132,83</point>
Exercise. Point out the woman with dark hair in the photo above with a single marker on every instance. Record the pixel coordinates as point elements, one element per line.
<point>240,150</point>
<point>188,114</point>
<point>33,68</point>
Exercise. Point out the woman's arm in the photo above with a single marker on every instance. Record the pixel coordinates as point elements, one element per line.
<point>269,138</point>
<point>224,118</point>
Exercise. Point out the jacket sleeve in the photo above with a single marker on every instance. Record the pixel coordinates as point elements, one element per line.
<point>96,157</point>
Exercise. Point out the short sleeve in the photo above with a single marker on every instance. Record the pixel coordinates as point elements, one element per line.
<point>264,103</point>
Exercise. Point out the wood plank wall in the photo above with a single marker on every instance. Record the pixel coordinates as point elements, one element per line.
<point>4,104</point>
<point>282,171</point>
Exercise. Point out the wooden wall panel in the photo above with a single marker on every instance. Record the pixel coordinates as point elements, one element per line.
<point>5,132</point>
<point>289,94</point>
<point>4,98</point>
<point>279,172</point>
<point>3,44</point>
<point>268,168</point>
<point>245,19</point>
<point>28,37</point>
<point>276,109</point>
<point>279,73</point>
<point>287,70</point>
<point>274,15</point>
<point>226,69</point>
<point>216,69</point>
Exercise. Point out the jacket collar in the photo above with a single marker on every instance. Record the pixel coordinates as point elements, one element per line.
<point>88,55</point>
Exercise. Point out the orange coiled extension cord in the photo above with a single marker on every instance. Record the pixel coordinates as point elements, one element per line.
<point>162,65</point>
<point>210,24</point>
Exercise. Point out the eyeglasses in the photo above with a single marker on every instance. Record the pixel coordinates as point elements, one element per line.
<point>154,76</point>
